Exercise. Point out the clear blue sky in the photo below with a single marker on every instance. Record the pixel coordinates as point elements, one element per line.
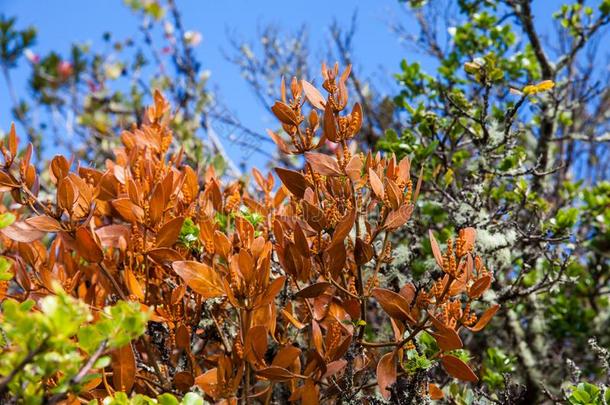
<point>61,22</point>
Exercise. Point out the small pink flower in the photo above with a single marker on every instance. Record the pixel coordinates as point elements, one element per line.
<point>32,57</point>
<point>192,38</point>
<point>65,69</point>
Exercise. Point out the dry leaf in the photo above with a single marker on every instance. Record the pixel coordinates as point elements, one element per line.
<point>201,278</point>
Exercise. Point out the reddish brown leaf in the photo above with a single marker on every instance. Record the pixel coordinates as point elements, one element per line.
<point>479,286</point>
<point>408,291</point>
<point>286,356</point>
<point>363,252</point>
<point>458,369</point>
<point>169,232</point>
<point>272,291</point>
<point>314,216</point>
<point>393,304</point>
<point>435,392</point>
<point>6,182</point>
<point>87,246</point>
<point>399,217</point>
<point>44,223</point>
<point>184,380</point>
<point>282,146</point>
<point>300,241</point>
<point>343,228</point>
<point>284,113</point>
<point>436,250</point>
<point>323,164</point>
<point>386,373</point>
<point>448,339</point>
<point>275,373</point>
<point>314,290</point>
<point>293,320</point>
<point>330,124</point>
<point>354,168</point>
<point>376,184</point>
<point>485,318</point>
<point>294,181</point>
<point>164,256</point>
<point>183,337</point>
<point>204,280</point>
<point>123,368</point>
<point>208,382</point>
<point>313,95</point>
<point>133,285</point>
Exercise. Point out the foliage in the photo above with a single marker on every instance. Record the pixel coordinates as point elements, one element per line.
<point>264,293</point>
<point>343,281</point>
<point>498,123</point>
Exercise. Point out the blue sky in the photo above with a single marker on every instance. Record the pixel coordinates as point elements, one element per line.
<point>61,22</point>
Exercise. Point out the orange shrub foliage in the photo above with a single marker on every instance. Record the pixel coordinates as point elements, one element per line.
<point>273,293</point>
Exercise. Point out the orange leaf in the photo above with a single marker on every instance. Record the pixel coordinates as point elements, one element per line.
<point>87,246</point>
<point>314,216</point>
<point>286,356</point>
<point>127,209</point>
<point>44,223</point>
<point>386,373</point>
<point>448,339</point>
<point>22,232</point>
<point>201,278</point>
<point>330,124</point>
<point>314,290</point>
<point>284,113</point>
<point>272,291</point>
<point>376,184</point>
<point>399,217</point>
<point>164,256</point>
<point>313,95</point>
<point>293,320</point>
<point>208,382</point>
<point>354,168</point>
<point>276,373</point>
<point>169,232</point>
<point>393,304</point>
<point>469,236</point>
<point>436,250</point>
<point>256,344</point>
<point>435,392</point>
<point>458,369</point>
<point>479,286</point>
<point>485,318</point>
<point>323,164</point>
<point>133,285</point>
<point>123,368</point>
<point>12,140</point>
<point>294,181</point>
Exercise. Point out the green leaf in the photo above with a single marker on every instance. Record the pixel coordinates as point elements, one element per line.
<point>192,399</point>
<point>6,219</point>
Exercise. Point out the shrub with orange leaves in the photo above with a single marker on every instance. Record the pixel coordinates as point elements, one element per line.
<point>259,292</point>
